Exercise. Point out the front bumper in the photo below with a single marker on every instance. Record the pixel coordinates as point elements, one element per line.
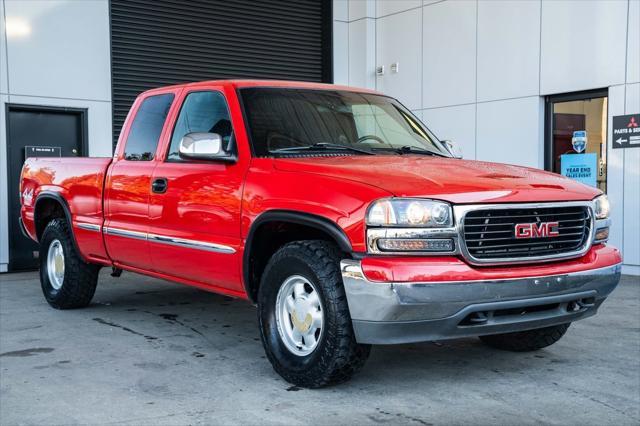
<point>403,312</point>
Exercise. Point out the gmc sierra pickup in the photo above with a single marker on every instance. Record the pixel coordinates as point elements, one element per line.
<point>335,211</point>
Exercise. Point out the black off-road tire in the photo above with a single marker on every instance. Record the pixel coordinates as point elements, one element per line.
<point>526,341</point>
<point>80,278</point>
<point>337,356</point>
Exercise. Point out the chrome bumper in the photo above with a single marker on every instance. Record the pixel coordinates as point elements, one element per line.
<point>389,313</point>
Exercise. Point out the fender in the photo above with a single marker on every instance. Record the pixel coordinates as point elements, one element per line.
<point>67,212</point>
<point>296,217</point>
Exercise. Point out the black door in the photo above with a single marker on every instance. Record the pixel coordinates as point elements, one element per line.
<point>28,129</point>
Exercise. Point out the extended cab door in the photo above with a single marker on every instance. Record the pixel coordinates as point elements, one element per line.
<point>128,184</point>
<point>195,220</point>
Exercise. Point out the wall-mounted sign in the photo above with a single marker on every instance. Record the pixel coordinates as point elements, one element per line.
<point>581,167</point>
<point>579,141</point>
<point>42,151</point>
<point>626,131</point>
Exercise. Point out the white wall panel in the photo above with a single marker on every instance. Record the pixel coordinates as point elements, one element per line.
<point>633,40</point>
<point>615,169</point>
<point>386,7</point>
<point>399,40</point>
<point>631,224</point>
<point>340,52</point>
<point>508,49</point>
<point>510,132</point>
<point>583,44</point>
<point>66,52</point>
<point>457,123</point>
<point>359,9</point>
<point>341,10</point>
<point>449,60</point>
<point>4,200</point>
<point>4,84</point>
<point>362,53</point>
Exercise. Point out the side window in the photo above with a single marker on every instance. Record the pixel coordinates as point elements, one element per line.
<point>146,128</point>
<point>204,112</point>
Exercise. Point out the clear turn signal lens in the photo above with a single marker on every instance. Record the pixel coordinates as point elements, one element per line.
<point>602,234</point>
<point>392,244</point>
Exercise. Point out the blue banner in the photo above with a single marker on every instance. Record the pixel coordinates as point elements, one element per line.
<point>581,167</point>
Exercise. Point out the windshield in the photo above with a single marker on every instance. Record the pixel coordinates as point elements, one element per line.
<point>296,121</point>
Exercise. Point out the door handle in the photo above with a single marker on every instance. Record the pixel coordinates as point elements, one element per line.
<point>159,185</point>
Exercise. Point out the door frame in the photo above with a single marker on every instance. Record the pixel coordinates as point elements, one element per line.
<point>84,148</point>
<point>548,117</point>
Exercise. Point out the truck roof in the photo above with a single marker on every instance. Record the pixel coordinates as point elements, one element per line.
<point>237,83</point>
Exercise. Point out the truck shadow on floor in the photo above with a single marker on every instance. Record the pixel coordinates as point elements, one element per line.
<point>218,327</point>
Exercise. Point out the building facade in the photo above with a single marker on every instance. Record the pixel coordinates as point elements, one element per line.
<point>509,81</point>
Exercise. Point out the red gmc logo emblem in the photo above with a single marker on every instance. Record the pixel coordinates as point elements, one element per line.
<point>537,230</point>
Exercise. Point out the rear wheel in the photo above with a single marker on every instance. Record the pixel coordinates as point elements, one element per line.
<point>67,281</point>
<point>526,341</point>
<point>304,318</point>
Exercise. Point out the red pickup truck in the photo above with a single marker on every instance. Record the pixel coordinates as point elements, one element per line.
<point>335,211</point>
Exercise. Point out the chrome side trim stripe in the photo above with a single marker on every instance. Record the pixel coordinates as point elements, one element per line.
<point>163,239</point>
<point>124,233</point>
<point>89,227</point>
<point>198,245</point>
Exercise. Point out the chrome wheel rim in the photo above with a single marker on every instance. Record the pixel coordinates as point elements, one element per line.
<point>299,315</point>
<point>55,264</point>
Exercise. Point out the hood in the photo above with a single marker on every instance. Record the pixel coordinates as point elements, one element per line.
<point>453,180</point>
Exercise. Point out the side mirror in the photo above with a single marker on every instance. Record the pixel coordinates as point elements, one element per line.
<point>453,148</point>
<point>204,146</point>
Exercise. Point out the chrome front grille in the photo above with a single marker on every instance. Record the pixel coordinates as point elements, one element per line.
<point>488,234</point>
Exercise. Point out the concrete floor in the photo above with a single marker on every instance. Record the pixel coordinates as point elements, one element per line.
<point>151,352</point>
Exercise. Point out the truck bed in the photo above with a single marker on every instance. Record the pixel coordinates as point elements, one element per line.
<point>79,183</point>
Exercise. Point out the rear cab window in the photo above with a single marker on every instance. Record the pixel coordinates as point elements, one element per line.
<point>146,128</point>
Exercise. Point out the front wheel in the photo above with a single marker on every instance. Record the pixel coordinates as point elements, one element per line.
<point>304,318</point>
<point>67,281</point>
<point>525,341</point>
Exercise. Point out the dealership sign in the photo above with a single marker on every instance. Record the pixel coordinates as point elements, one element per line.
<point>579,141</point>
<point>626,131</point>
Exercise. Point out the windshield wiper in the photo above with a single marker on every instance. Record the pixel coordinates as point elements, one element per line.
<point>320,146</point>
<point>407,149</point>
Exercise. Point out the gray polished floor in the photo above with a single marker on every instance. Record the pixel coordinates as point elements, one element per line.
<point>151,352</point>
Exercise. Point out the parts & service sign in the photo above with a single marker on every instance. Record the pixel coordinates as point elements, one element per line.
<point>626,131</point>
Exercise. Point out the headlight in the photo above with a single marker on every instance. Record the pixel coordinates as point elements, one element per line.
<point>410,212</point>
<point>601,207</point>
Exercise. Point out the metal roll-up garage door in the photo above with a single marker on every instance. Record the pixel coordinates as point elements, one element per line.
<point>160,42</point>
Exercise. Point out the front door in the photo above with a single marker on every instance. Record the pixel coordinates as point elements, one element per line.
<point>195,218</point>
<point>36,132</point>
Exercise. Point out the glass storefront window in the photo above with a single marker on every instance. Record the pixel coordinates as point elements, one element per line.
<point>577,138</point>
